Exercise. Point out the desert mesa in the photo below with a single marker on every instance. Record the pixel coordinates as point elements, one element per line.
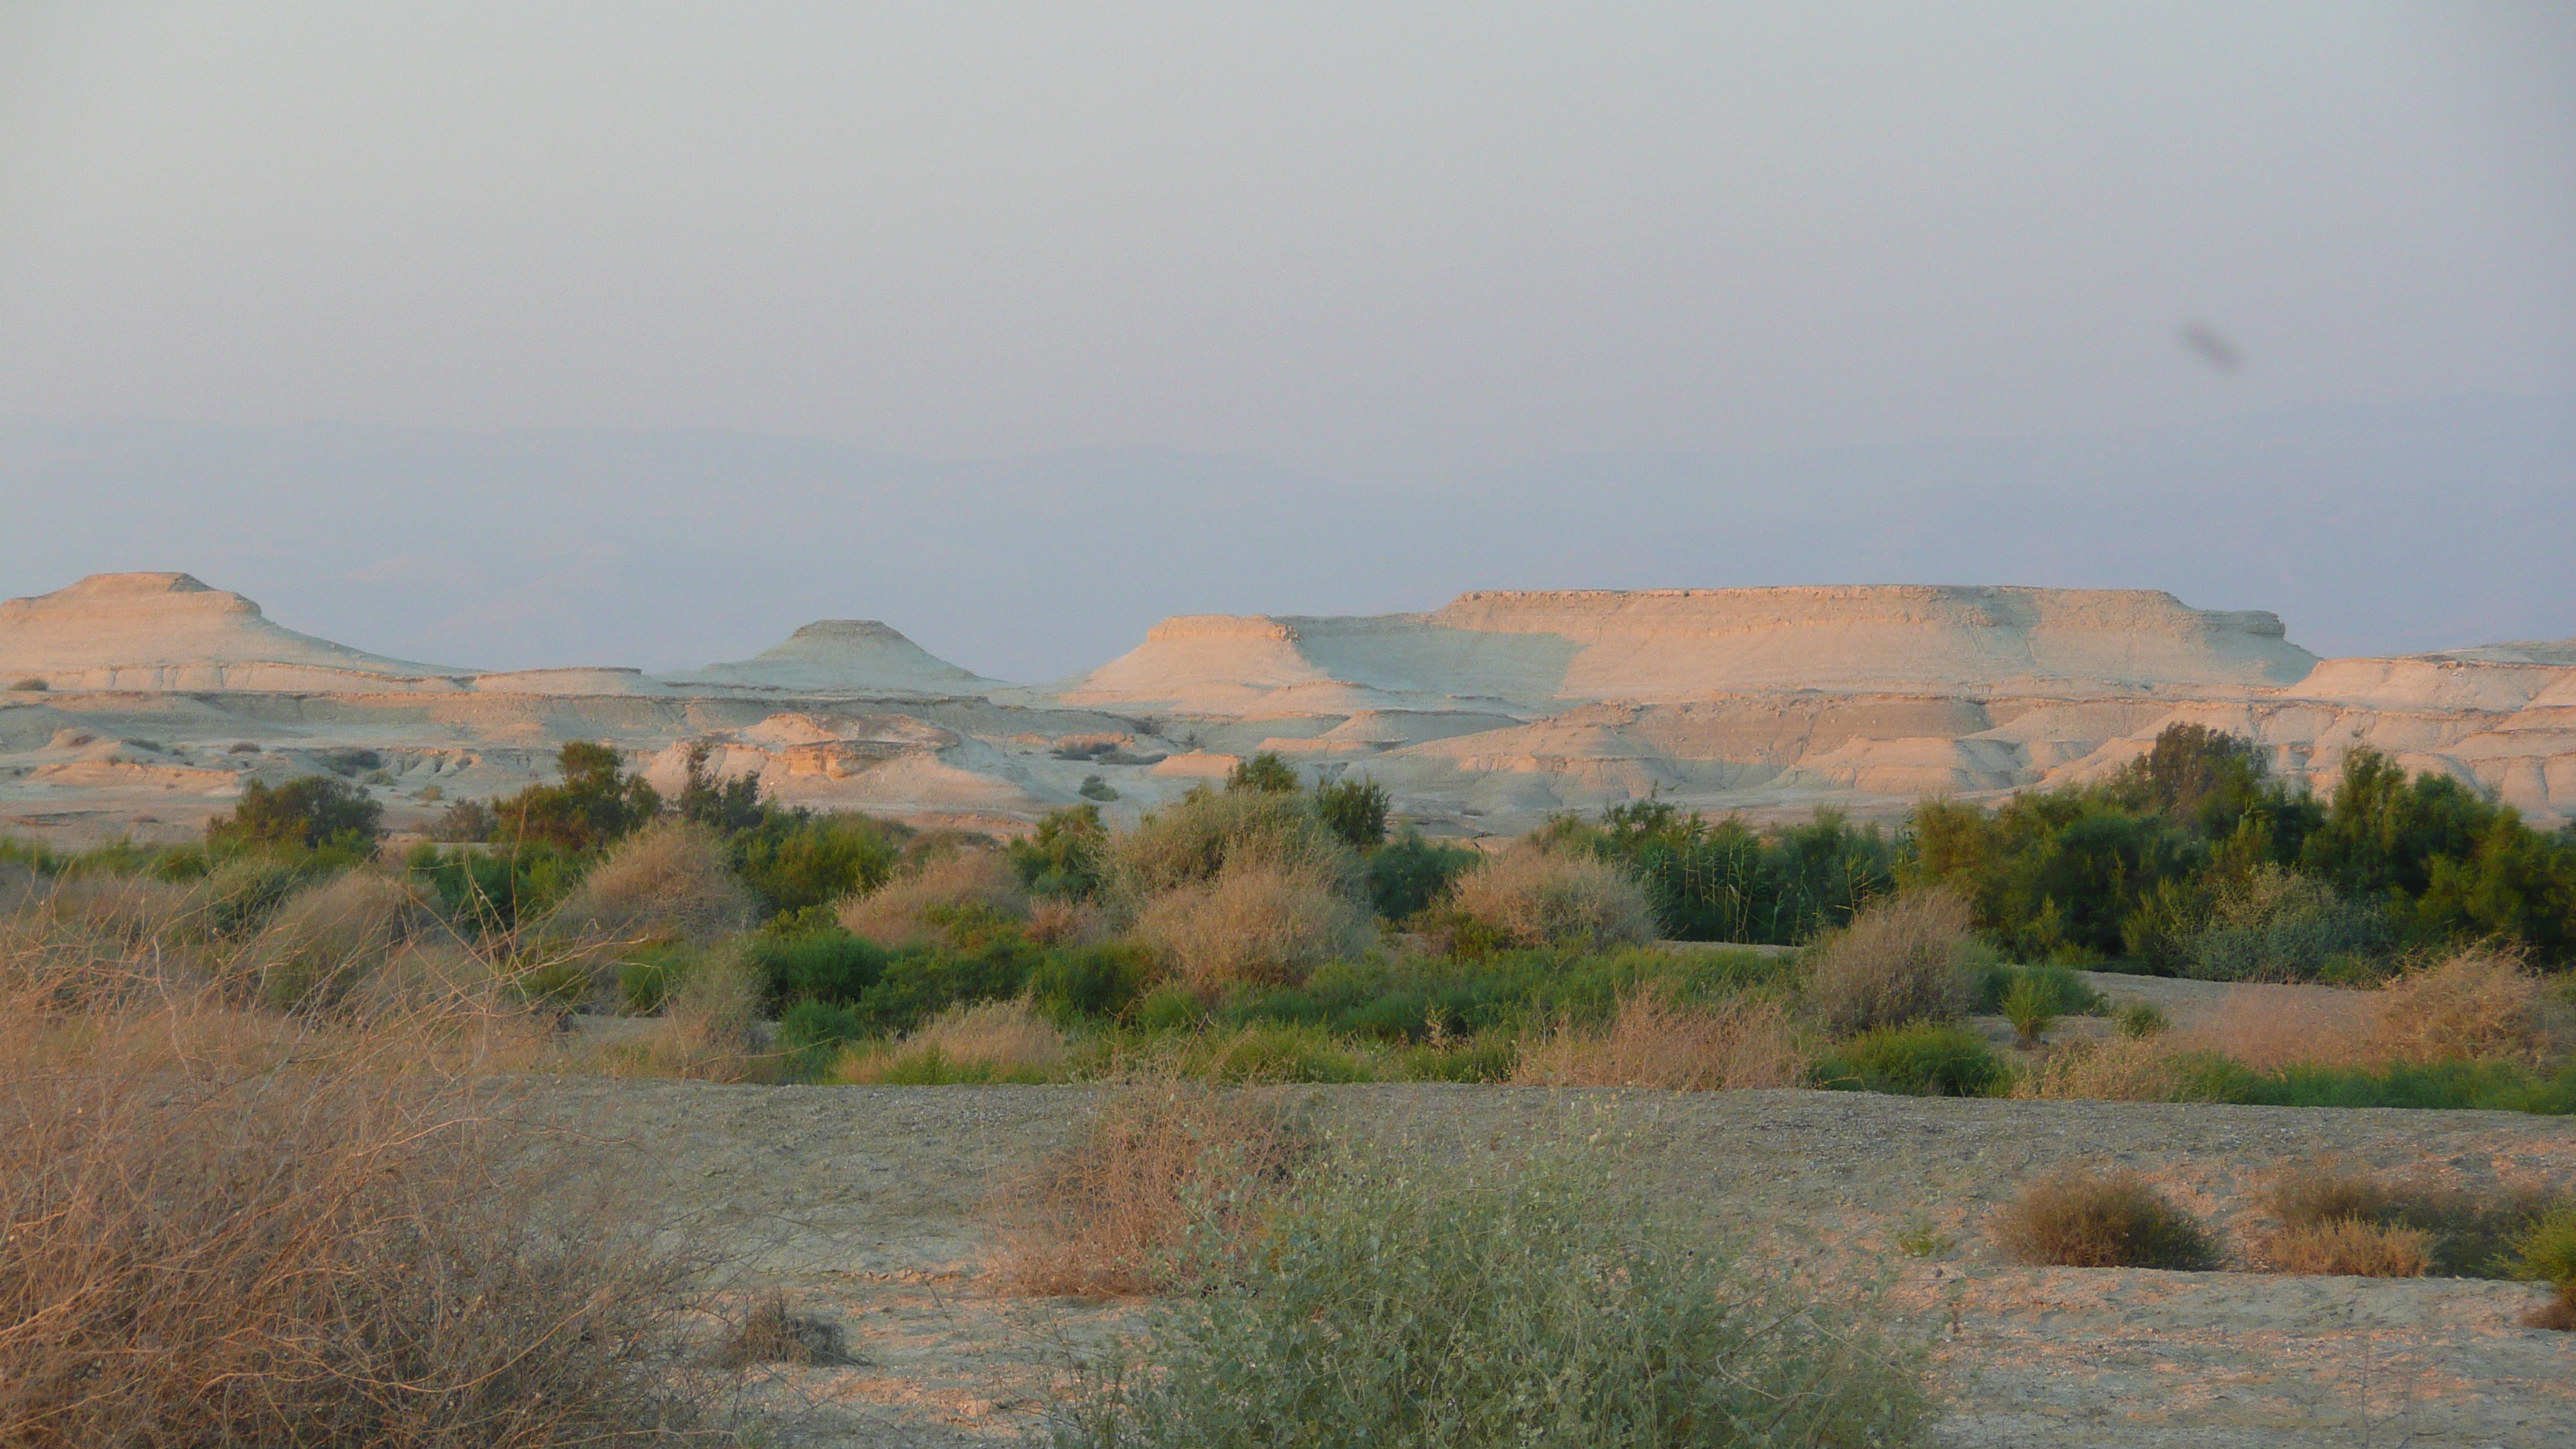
<point>141,703</point>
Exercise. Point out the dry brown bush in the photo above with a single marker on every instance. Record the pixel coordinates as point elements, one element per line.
<point>234,1227</point>
<point>1528,897</point>
<point>1256,924</point>
<point>709,1031</point>
<point>1208,833</point>
<point>325,941</point>
<point>2350,1247</point>
<point>1659,1043</point>
<point>1901,959</point>
<point>2080,1218</point>
<point>2268,1027</point>
<point>2120,1069</point>
<point>2478,1004</point>
<point>668,880</point>
<point>771,1333</point>
<point>1057,922</point>
<point>1106,1217</point>
<point>989,1039</point>
<point>908,908</point>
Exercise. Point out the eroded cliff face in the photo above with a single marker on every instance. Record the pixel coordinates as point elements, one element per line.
<point>1533,650</point>
<point>1482,716</point>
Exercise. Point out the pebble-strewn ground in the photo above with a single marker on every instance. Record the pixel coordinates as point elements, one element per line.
<point>866,1205</point>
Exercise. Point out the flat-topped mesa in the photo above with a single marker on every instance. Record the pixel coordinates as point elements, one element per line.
<point>169,631</point>
<point>841,656</point>
<point>1544,648</point>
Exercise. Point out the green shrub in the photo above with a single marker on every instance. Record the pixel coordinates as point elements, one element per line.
<point>240,895</point>
<point>1263,774</point>
<point>1408,873</point>
<point>2487,1086</point>
<point>919,983</point>
<point>2058,988</point>
<point>1169,1008</point>
<point>818,1028</point>
<point>797,860</point>
<point>2278,925</point>
<point>1356,811</point>
<point>2547,1252</point>
<point>595,804</point>
<point>492,892</point>
<point>311,811</point>
<point>1102,981</point>
<point>1267,1053</point>
<point>2031,1008</point>
<point>1063,858</point>
<point>1923,1059</point>
<point>2142,1019</point>
<point>1096,788</point>
<point>648,976</point>
<point>1486,1306</point>
<point>1195,841</point>
<point>825,965</point>
<point>557,984</point>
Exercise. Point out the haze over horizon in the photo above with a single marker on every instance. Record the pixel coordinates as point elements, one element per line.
<point>641,333</point>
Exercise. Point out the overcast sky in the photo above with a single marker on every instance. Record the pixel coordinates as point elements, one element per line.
<point>1388,246</point>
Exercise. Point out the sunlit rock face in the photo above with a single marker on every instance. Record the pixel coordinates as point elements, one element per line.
<point>161,697</point>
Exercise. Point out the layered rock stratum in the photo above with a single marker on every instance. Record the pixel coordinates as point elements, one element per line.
<point>147,700</point>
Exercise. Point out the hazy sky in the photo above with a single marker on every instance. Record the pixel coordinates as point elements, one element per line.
<point>1384,243</point>
<point>635,333</point>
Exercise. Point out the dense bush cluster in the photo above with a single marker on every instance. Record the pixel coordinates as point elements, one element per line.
<point>2192,861</point>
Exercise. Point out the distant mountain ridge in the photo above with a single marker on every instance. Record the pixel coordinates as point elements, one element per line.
<point>141,693</point>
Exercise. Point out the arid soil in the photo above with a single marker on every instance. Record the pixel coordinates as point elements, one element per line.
<point>868,1207</point>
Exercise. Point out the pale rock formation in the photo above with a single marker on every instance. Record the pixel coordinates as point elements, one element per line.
<point>841,656</point>
<point>1540,649</point>
<point>1480,717</point>
<point>168,631</point>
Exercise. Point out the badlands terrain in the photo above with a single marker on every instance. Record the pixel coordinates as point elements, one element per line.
<point>141,703</point>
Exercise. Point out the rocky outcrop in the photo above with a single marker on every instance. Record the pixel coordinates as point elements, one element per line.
<point>169,632</point>
<point>1481,717</point>
<point>841,656</point>
<point>1535,650</point>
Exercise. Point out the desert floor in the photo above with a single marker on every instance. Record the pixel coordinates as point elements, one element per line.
<point>868,1207</point>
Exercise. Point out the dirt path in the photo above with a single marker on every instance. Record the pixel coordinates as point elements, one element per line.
<point>865,1206</point>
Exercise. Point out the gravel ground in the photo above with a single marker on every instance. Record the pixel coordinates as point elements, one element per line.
<point>866,1206</point>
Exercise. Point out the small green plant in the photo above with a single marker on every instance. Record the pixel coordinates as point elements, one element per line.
<point>2080,1218</point>
<point>824,965</point>
<point>2031,1007</point>
<point>429,794</point>
<point>649,975</point>
<point>1491,1305</point>
<point>31,685</point>
<point>817,1029</point>
<point>2547,1254</point>
<point>2142,1019</point>
<point>1921,1240</point>
<point>1096,788</point>
<point>1921,1059</point>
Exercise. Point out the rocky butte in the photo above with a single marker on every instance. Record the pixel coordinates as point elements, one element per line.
<point>143,702</point>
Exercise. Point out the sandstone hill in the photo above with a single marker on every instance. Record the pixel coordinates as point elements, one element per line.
<point>161,696</point>
<point>168,631</point>
<point>1656,645</point>
<point>842,655</point>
